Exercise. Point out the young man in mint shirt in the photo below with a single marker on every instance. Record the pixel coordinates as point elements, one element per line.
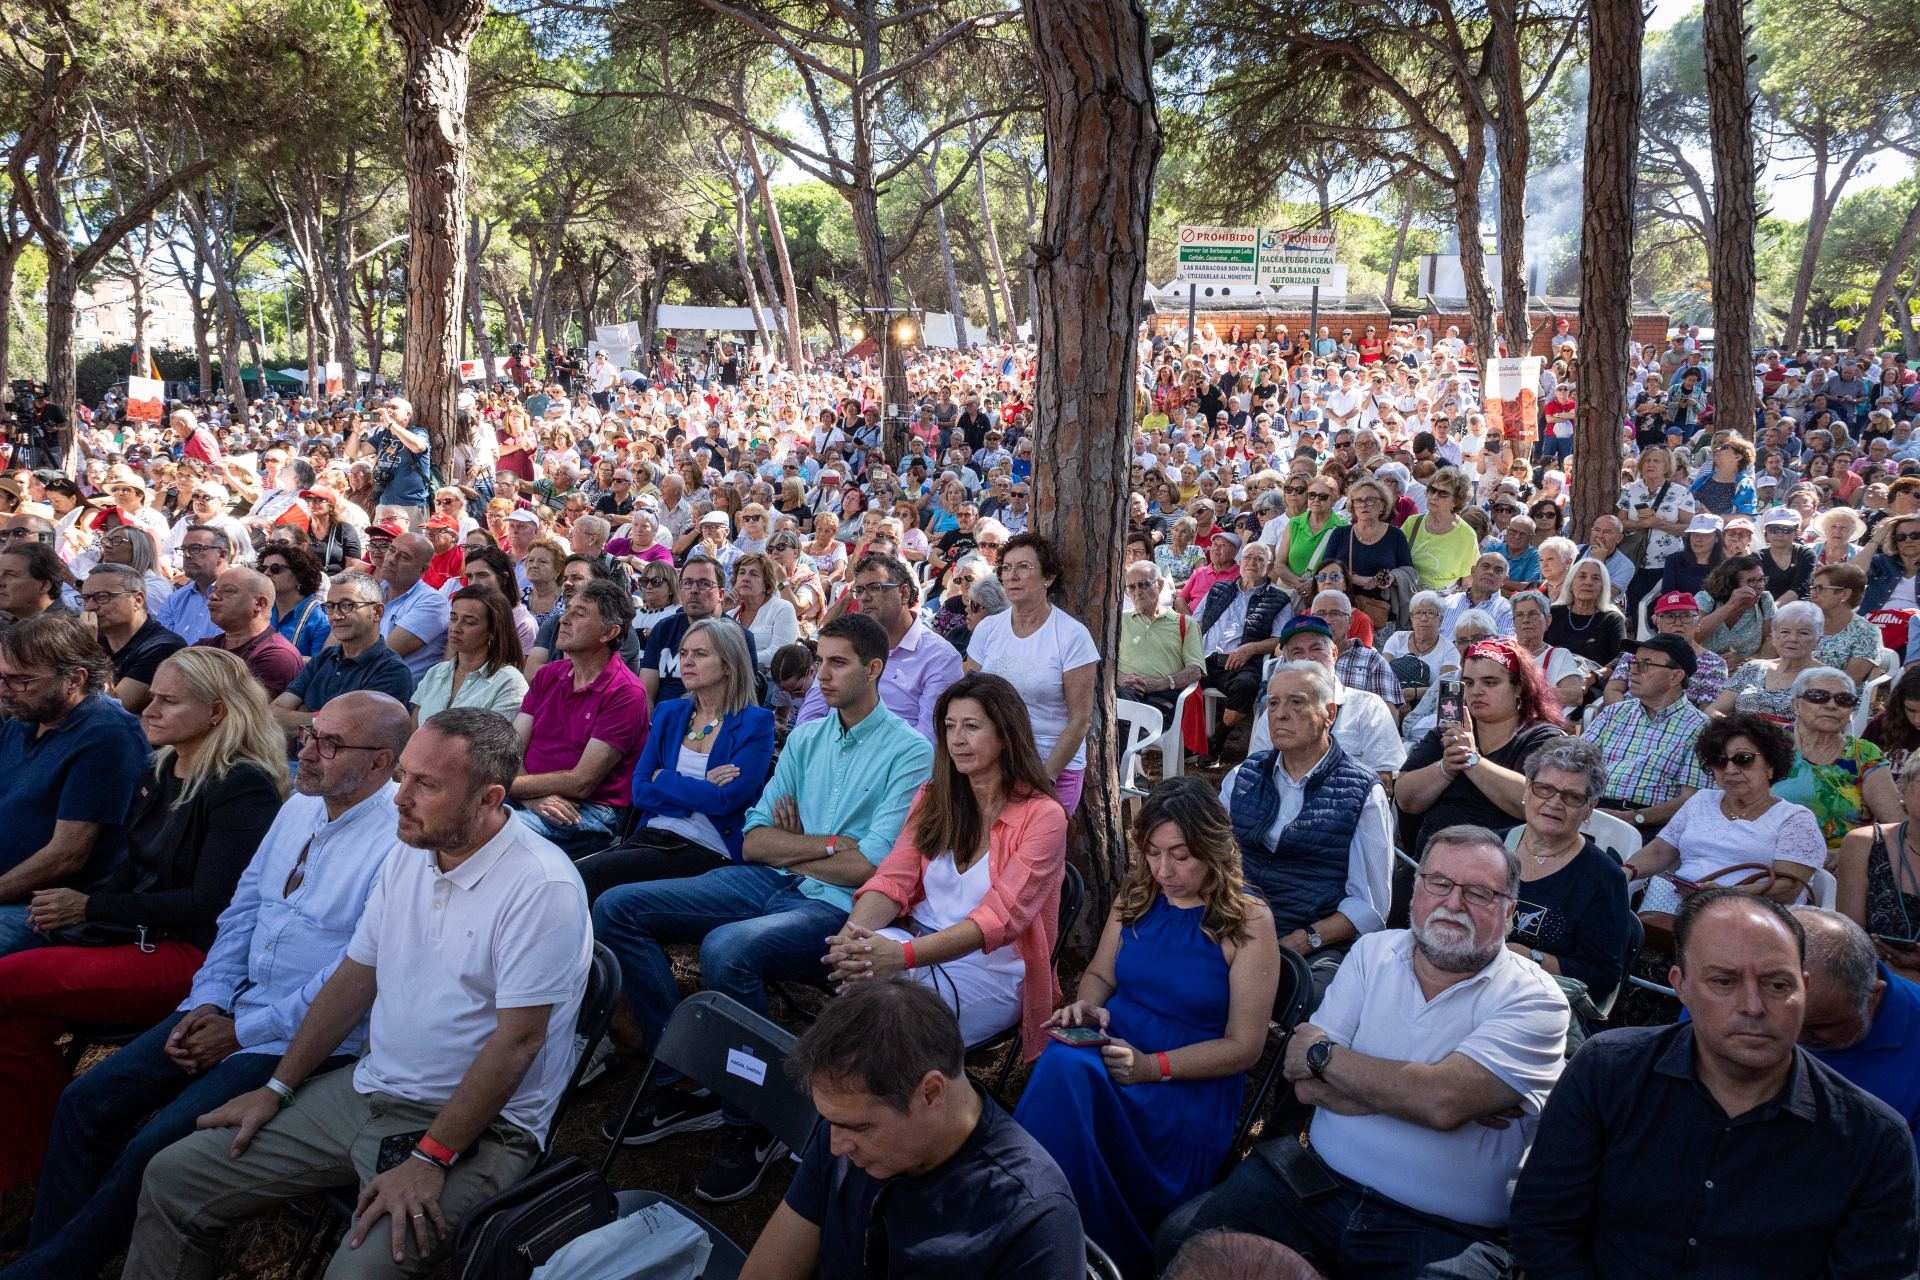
<point>830,813</point>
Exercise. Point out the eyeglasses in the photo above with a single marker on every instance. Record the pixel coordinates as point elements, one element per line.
<point>448,502</point>
<point>196,548</point>
<point>344,608</point>
<point>1739,759</point>
<point>868,590</point>
<point>1442,887</point>
<point>1838,697</point>
<point>1546,791</point>
<point>94,599</point>
<point>1319,495</point>
<point>698,584</point>
<point>1296,489</point>
<point>20,532</point>
<point>326,746</point>
<point>654,580</point>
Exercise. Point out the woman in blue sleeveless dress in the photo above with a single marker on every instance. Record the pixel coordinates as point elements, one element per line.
<point>1183,986</point>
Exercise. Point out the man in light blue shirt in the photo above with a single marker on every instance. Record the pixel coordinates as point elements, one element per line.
<point>415,622</point>
<point>830,813</point>
<point>287,927</point>
<point>205,554</point>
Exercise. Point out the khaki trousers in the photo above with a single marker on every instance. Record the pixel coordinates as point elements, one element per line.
<point>328,1136</point>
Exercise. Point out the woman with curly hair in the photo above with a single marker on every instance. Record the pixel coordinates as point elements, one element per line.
<point>1178,996</point>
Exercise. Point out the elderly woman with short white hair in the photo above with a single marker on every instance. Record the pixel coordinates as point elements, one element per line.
<point>1474,624</point>
<point>1768,686</point>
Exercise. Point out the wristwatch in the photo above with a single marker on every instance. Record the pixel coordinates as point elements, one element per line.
<point>1314,940</point>
<point>1319,1053</point>
<point>1536,955</point>
<point>1637,817</point>
<point>1473,758</point>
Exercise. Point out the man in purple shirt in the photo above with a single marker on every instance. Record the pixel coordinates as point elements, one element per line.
<point>582,725</point>
<point>920,665</point>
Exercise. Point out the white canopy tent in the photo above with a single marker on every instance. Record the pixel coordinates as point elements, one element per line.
<point>724,319</point>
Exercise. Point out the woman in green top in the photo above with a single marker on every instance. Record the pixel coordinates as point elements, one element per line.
<point>1444,546</point>
<point>1304,533</point>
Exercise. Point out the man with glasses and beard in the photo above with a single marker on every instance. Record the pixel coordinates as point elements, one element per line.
<point>1428,1062</point>
<point>72,758</point>
<point>920,663</point>
<point>136,645</point>
<point>701,584</point>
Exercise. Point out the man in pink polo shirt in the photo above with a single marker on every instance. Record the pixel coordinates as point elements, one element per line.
<point>581,727</point>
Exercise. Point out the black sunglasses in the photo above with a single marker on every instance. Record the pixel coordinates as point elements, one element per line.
<point>1839,698</point>
<point>1743,759</point>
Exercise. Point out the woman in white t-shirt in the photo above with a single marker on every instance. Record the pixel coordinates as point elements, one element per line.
<point>1047,655</point>
<point>1423,640</point>
<point>1740,824</point>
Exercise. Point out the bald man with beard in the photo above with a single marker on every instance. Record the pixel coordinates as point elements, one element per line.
<point>240,603</point>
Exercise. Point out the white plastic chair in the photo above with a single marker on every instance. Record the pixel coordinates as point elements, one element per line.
<point>1868,691</point>
<point>1887,661</point>
<point>1172,744</point>
<point>1143,725</point>
<point>1645,624</point>
<point>1621,839</point>
<point>1825,889</point>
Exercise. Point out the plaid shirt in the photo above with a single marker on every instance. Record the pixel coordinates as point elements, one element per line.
<point>1359,667</point>
<point>1649,757</point>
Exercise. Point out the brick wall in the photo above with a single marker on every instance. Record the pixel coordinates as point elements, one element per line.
<point>1648,326</point>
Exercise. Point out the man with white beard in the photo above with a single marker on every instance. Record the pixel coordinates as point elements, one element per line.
<point>1428,1062</point>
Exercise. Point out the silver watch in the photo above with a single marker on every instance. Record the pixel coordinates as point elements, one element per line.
<point>1473,758</point>
<point>1314,940</point>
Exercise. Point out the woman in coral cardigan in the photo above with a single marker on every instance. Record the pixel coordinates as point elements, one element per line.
<point>968,901</point>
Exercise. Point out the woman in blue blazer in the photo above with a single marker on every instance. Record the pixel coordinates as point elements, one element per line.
<point>706,760</point>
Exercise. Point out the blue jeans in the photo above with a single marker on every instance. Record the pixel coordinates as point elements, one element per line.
<point>1351,1231</point>
<point>14,933</point>
<point>591,834</point>
<point>90,1186</point>
<point>752,924</point>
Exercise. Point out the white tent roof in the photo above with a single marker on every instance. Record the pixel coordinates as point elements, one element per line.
<point>735,319</point>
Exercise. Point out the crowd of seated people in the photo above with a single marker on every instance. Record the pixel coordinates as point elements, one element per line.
<point>324,828</point>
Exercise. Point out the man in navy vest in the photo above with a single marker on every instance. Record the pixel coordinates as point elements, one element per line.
<point>1315,827</point>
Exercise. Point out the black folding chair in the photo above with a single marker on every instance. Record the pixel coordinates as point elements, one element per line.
<point>1099,1265</point>
<point>1290,1000</point>
<point>335,1207</point>
<point>1073,897</point>
<point>741,1057</point>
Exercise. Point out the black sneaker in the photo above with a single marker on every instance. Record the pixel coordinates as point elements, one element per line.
<point>664,1112</point>
<point>744,1155</point>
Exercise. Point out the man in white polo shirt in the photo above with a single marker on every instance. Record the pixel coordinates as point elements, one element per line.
<point>472,959</point>
<point>1428,1062</point>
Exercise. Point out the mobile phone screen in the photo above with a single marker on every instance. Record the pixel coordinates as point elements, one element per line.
<point>1080,1035</point>
<point>1450,702</point>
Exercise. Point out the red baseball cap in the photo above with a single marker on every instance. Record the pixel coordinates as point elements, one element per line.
<point>386,529</point>
<point>443,522</point>
<point>1676,602</point>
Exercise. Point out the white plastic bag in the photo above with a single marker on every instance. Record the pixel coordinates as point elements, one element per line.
<point>652,1243</point>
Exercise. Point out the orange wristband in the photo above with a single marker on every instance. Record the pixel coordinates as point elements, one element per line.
<point>1166,1067</point>
<point>440,1153</point>
<point>906,950</point>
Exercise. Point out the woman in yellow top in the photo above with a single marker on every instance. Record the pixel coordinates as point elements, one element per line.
<point>1444,546</point>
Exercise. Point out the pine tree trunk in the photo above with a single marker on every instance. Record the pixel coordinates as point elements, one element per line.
<point>1868,335</point>
<point>1103,140</point>
<point>789,292</point>
<point>998,278</point>
<point>436,36</point>
<point>1818,217</point>
<point>1730,271</point>
<point>1400,241</point>
<point>1514,141</point>
<point>9,260</point>
<point>1473,255</point>
<point>1616,29</point>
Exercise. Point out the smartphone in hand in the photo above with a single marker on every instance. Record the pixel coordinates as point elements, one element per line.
<point>1080,1037</point>
<point>1450,702</point>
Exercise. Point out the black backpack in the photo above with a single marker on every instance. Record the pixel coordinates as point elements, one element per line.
<point>527,1224</point>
